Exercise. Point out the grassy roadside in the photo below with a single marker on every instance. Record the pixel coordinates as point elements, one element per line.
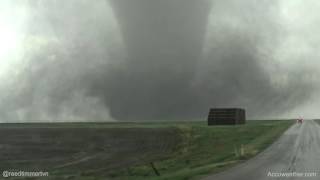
<point>206,150</point>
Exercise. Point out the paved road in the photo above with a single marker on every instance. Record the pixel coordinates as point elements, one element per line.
<point>295,155</point>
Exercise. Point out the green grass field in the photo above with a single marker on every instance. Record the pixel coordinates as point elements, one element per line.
<point>99,151</point>
<point>208,150</point>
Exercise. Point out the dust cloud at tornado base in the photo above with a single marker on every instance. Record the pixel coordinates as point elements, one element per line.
<point>154,60</point>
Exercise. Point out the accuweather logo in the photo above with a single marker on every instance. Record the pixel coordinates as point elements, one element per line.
<point>292,174</point>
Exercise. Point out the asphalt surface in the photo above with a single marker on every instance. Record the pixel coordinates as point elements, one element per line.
<point>296,155</point>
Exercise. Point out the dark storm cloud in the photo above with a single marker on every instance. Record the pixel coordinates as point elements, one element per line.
<point>64,43</point>
<point>153,60</point>
<point>161,79</point>
<point>235,76</point>
<point>239,68</point>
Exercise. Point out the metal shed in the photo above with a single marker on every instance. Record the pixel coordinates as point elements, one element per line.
<point>226,116</point>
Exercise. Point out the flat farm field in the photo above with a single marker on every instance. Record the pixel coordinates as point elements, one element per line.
<point>139,150</point>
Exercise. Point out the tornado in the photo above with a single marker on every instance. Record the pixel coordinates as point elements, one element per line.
<point>163,41</point>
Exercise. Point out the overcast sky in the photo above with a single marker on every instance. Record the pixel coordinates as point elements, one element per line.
<point>82,60</point>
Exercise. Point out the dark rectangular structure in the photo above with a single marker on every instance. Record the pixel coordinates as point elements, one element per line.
<point>226,116</point>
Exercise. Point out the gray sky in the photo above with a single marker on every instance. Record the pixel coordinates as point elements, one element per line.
<point>82,60</point>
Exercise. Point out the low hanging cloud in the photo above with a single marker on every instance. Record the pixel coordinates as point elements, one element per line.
<point>68,42</point>
<point>241,66</point>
